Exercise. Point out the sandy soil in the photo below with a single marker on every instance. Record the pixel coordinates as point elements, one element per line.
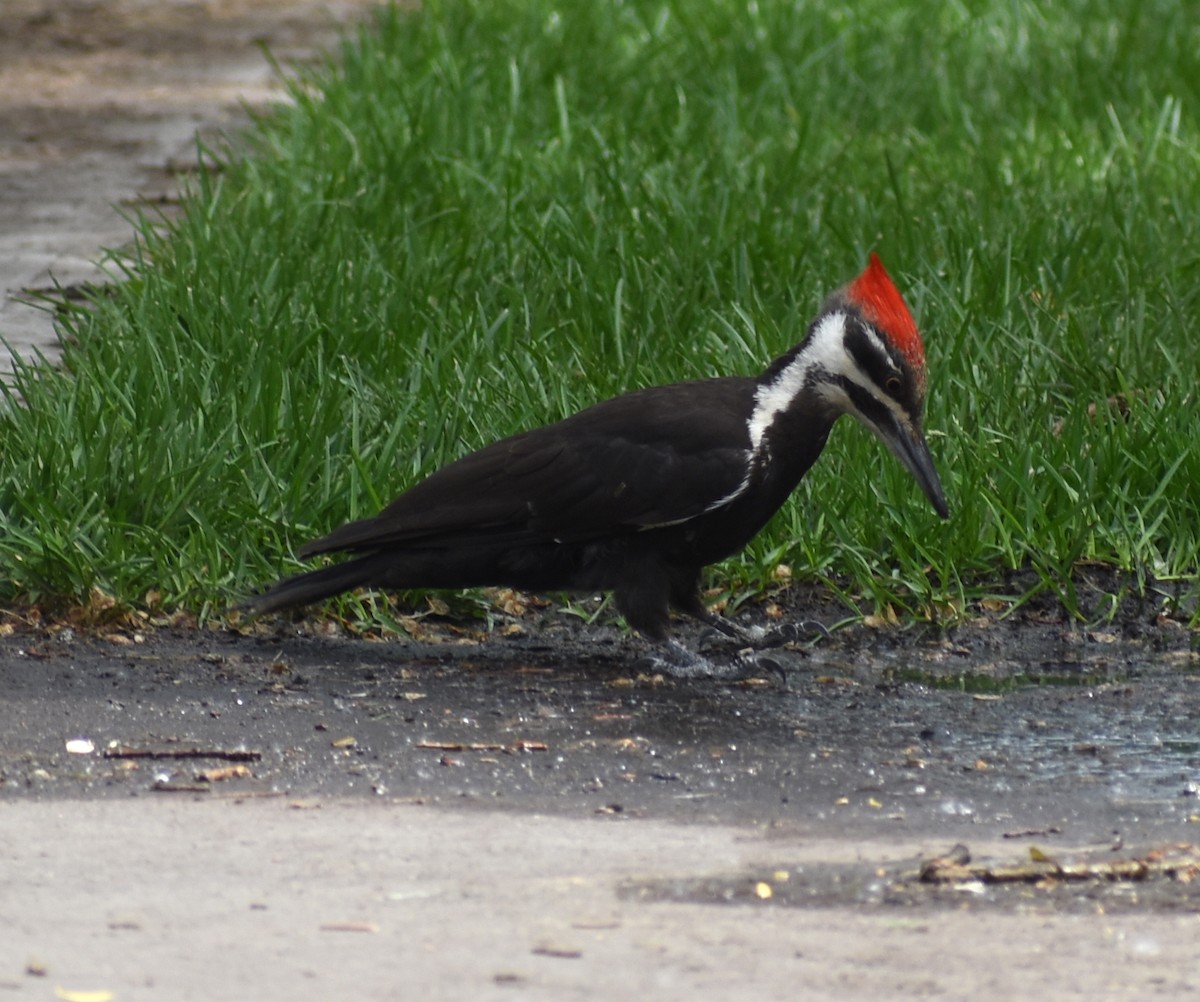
<point>481,816</point>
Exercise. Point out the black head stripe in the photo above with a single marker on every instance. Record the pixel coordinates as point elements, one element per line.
<point>865,352</point>
<point>867,404</point>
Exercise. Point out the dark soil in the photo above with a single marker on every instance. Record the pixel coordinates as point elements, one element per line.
<point>994,726</point>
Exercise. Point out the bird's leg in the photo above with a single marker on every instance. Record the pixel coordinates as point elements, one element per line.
<point>645,604</point>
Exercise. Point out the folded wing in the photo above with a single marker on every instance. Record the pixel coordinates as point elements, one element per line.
<point>664,455</point>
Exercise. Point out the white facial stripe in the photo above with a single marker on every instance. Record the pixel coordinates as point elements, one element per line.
<point>823,350</point>
<point>836,396</point>
<point>876,342</point>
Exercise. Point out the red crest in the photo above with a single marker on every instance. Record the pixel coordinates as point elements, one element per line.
<point>881,303</point>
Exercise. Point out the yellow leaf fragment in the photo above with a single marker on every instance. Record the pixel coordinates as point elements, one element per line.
<point>69,995</point>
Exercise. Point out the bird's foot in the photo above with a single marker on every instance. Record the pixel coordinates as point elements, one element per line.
<point>760,638</point>
<point>797,632</point>
<point>672,658</point>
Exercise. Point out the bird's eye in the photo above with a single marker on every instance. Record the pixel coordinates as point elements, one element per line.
<point>892,384</point>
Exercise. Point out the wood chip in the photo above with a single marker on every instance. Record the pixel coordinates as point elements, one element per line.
<point>457,746</point>
<point>349,927</point>
<point>507,978</point>
<point>1030,832</point>
<point>71,995</point>
<point>222,773</point>
<point>521,745</point>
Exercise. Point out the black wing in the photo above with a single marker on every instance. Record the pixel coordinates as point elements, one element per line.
<point>653,457</point>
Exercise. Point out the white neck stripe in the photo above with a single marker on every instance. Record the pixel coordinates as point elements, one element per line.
<point>823,349</point>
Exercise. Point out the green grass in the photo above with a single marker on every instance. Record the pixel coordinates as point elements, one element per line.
<point>493,213</point>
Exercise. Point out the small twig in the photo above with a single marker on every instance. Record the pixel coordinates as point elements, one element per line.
<point>519,745</point>
<point>227,754</point>
<point>166,786</point>
<point>1182,864</point>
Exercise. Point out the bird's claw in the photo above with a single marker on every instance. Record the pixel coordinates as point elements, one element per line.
<point>759,638</point>
<point>677,661</point>
<point>749,663</point>
<point>792,633</point>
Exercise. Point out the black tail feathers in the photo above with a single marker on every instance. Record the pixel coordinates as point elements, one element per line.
<point>313,586</point>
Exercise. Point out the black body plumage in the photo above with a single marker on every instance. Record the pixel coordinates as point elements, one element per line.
<point>636,494</point>
<point>619,497</point>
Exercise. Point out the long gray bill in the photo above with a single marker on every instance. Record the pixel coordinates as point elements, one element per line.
<point>913,452</point>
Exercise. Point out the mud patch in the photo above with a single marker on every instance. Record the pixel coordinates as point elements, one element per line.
<point>1163,880</point>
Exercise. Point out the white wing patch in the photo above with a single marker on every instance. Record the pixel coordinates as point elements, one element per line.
<point>733,495</point>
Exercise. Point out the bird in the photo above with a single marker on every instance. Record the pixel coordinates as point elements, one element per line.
<point>637,494</point>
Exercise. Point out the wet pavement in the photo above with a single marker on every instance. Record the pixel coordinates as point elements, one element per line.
<point>100,107</point>
<point>1098,742</point>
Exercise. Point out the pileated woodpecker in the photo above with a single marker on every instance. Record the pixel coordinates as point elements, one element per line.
<point>638,493</point>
